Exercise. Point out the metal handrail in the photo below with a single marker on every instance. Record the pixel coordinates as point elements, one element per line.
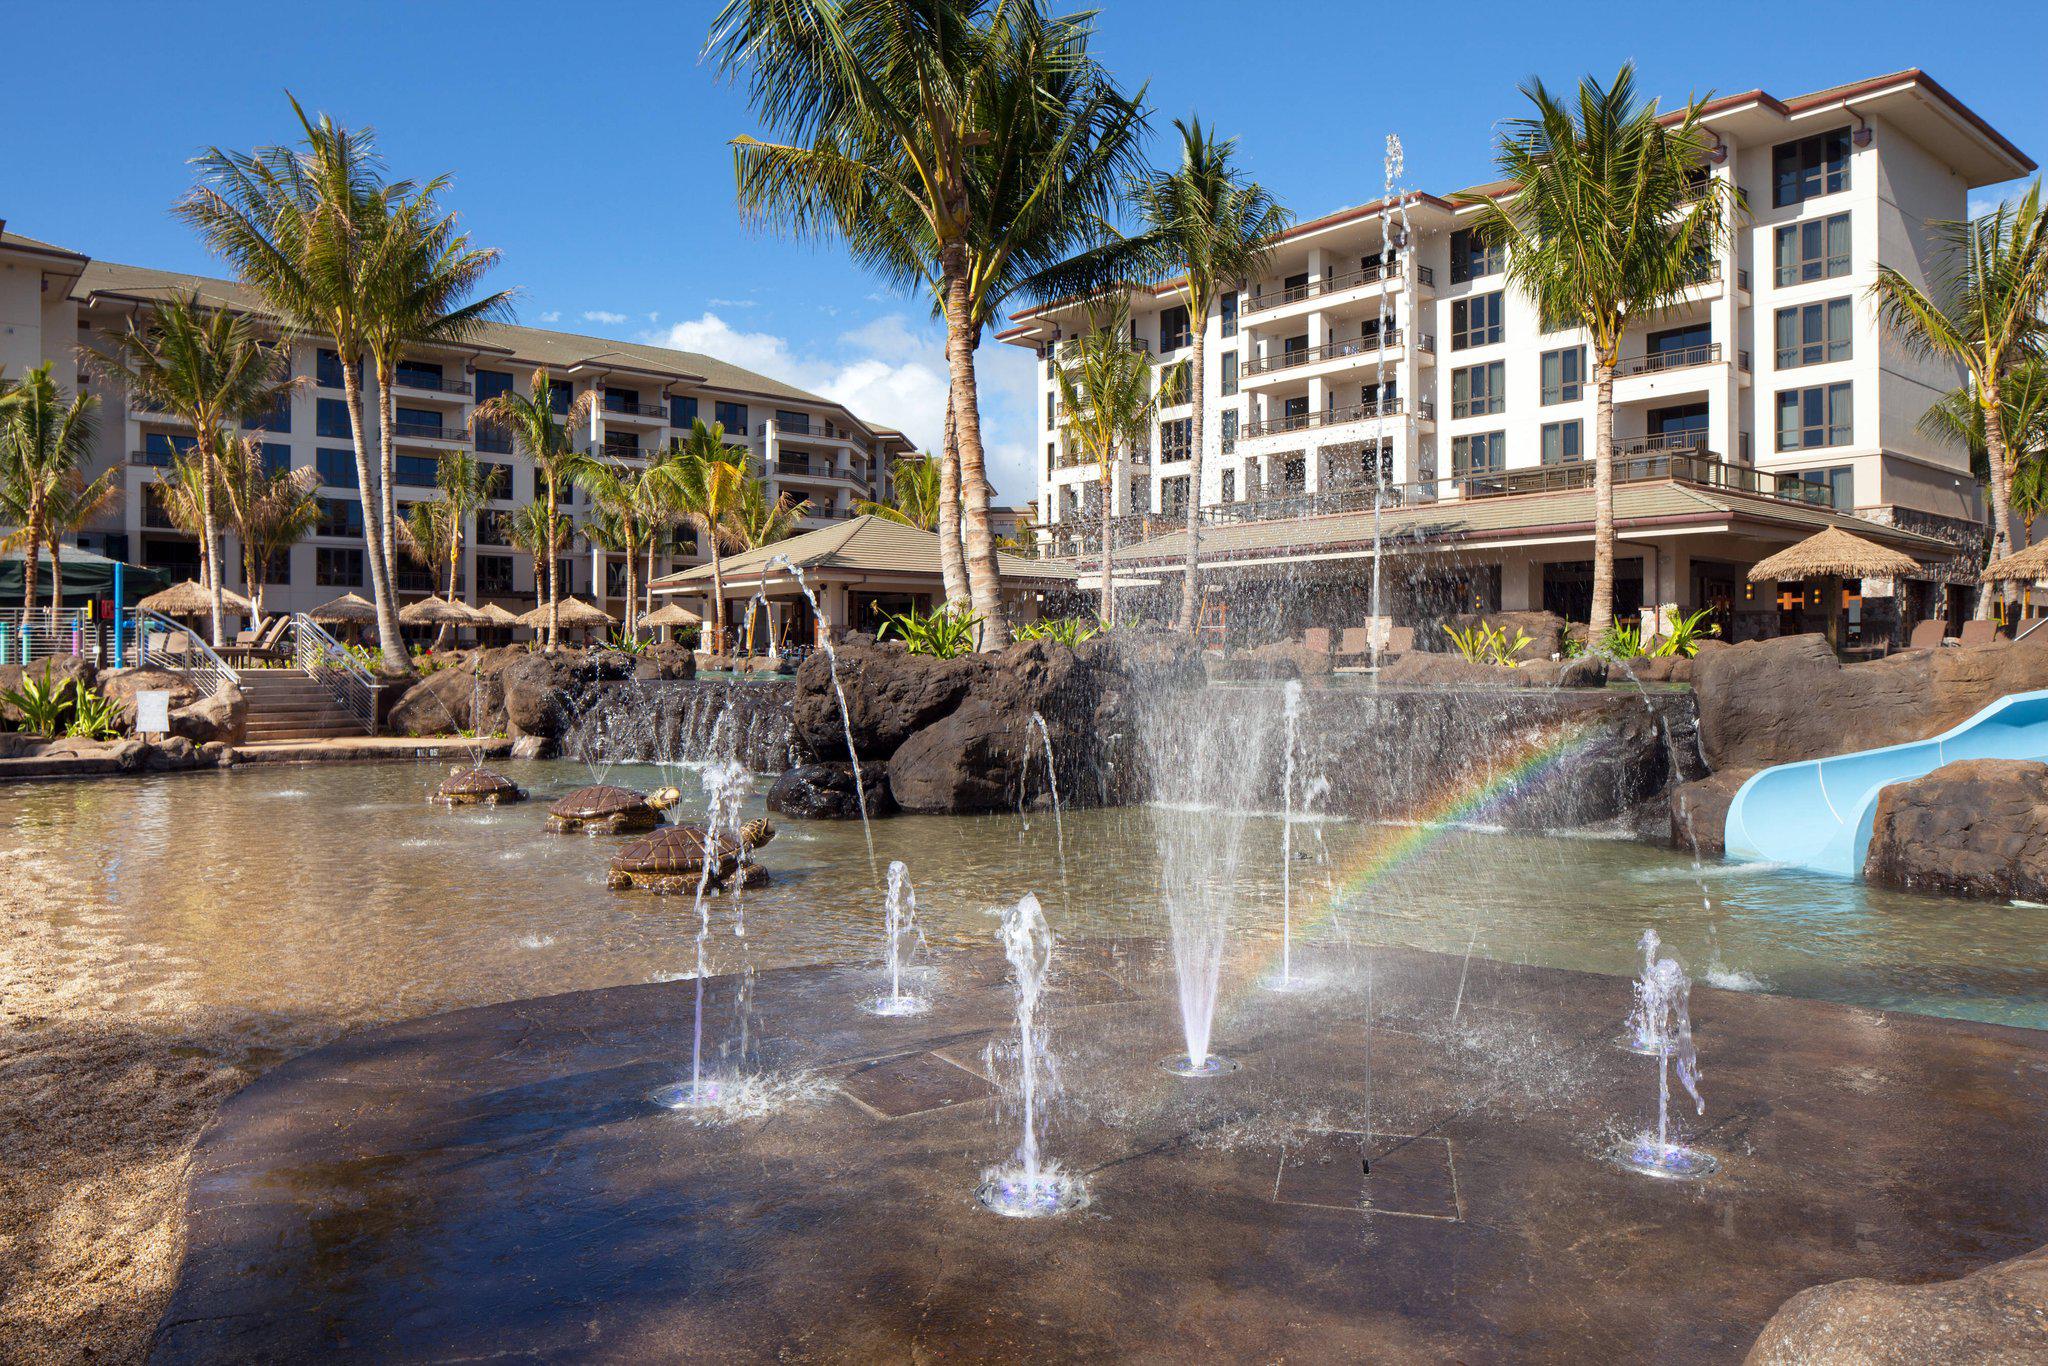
<point>1350,346</point>
<point>154,633</point>
<point>1707,353</point>
<point>1333,284</point>
<point>31,633</point>
<point>353,687</point>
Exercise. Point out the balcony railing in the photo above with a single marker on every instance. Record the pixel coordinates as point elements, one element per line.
<point>427,431</point>
<point>1334,417</point>
<point>430,384</point>
<point>626,407</point>
<point>1066,350</point>
<point>1351,346</point>
<point>1331,284</point>
<point>1657,361</point>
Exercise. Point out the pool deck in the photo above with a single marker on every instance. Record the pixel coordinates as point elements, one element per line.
<point>106,763</point>
<point>1409,1166</point>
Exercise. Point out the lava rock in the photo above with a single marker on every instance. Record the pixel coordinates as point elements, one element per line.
<point>450,700</point>
<point>541,691</point>
<point>1974,828</point>
<point>1545,631</point>
<point>1699,812</point>
<point>51,671</point>
<point>1993,1314</point>
<point>222,718</point>
<point>1283,659</point>
<point>666,663</point>
<point>172,753</point>
<point>968,761</point>
<point>826,792</point>
<point>890,695</point>
<point>121,685</point>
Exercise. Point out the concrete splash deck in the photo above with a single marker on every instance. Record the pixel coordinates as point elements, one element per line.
<point>496,1182</point>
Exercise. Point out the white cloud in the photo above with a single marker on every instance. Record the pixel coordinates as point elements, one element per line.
<point>891,369</point>
<point>1989,197</point>
<point>553,315</point>
<point>599,315</point>
<point>730,303</point>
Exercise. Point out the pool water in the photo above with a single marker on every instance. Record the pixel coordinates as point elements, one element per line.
<point>289,901</point>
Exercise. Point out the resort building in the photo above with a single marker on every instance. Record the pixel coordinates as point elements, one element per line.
<point>54,301</point>
<point>1384,348</point>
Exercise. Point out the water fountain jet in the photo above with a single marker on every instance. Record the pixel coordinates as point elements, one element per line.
<point>1664,1004</point>
<point>1029,1186</point>
<point>724,786</point>
<point>900,919</point>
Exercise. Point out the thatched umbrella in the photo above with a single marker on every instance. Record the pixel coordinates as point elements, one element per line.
<point>496,619</point>
<point>576,615</point>
<point>2022,566</point>
<point>191,599</point>
<point>671,615</point>
<point>1831,556</point>
<point>439,612</point>
<point>347,610</point>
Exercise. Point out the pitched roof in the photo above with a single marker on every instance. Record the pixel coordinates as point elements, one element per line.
<point>871,545</point>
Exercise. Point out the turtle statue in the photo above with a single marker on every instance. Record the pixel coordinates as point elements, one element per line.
<point>469,786</point>
<point>662,798</point>
<point>602,808</point>
<point>672,859</point>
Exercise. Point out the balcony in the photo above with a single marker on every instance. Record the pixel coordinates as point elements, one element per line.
<point>1352,346</point>
<point>1326,285</point>
<point>1660,361</point>
<point>427,431</point>
<point>633,409</point>
<point>428,384</point>
<point>1066,350</point>
<point>1334,417</point>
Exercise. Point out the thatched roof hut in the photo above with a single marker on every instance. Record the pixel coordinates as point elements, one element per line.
<point>439,612</point>
<point>494,615</point>
<point>1833,553</point>
<point>674,614</point>
<point>2022,566</point>
<point>349,609</point>
<point>576,615</point>
<point>190,599</point>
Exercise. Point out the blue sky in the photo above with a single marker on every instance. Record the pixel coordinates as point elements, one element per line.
<point>588,143</point>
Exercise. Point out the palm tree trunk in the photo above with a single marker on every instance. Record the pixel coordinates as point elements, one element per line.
<point>31,562</point>
<point>211,531</point>
<point>1603,499</point>
<point>647,585</point>
<point>387,505</point>
<point>1190,587</point>
<point>627,615</point>
<point>249,582</point>
<point>952,556</point>
<point>1112,469</point>
<point>2001,489</point>
<point>984,579</point>
<point>390,639</point>
<point>56,577</point>
<point>717,599</point>
<point>554,579</point>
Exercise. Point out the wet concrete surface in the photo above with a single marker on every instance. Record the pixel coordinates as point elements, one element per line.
<point>1408,1166</point>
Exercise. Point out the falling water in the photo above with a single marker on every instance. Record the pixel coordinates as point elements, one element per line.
<point>1291,711</point>
<point>900,923</point>
<point>1641,1034</point>
<point>1052,781</point>
<point>1028,1186</point>
<point>725,785</point>
<point>1663,999</point>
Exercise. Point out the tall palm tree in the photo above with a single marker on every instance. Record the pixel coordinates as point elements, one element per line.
<point>46,440</point>
<point>631,503</point>
<point>270,510</point>
<point>1982,309</point>
<point>916,478</point>
<point>540,531</point>
<point>466,484</point>
<point>908,126</point>
<point>429,536</point>
<point>706,482</point>
<point>214,369</point>
<point>1607,221</point>
<point>530,418</point>
<point>423,272</point>
<point>71,507</point>
<point>302,227</point>
<point>1106,407</point>
<point>180,492</point>
<point>759,520</point>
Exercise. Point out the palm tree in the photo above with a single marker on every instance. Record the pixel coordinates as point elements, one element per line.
<point>45,443</point>
<point>530,418</point>
<point>1982,309</point>
<point>70,508</point>
<point>423,271</point>
<point>758,520</point>
<point>180,492</point>
<point>916,503</point>
<point>946,144</point>
<point>706,482</point>
<point>1106,407</point>
<point>466,484</point>
<point>1608,220</point>
<point>540,531</point>
<point>629,503</point>
<point>430,536</point>
<point>212,368</point>
<point>270,510</point>
<point>302,228</point>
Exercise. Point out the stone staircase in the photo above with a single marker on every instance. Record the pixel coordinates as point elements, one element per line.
<point>290,704</point>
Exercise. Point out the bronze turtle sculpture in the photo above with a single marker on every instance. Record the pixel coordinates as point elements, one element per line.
<point>468,786</point>
<point>672,860</point>
<point>602,808</point>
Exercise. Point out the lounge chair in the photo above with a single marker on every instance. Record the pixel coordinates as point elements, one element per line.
<point>1400,641</point>
<point>1977,634</point>
<point>267,647</point>
<point>1317,639</point>
<point>1928,635</point>
<point>1354,647</point>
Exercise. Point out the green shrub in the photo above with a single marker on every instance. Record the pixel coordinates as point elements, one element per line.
<point>1624,640</point>
<point>943,633</point>
<point>45,706</point>
<point>94,716</point>
<point>1688,629</point>
<point>1061,630</point>
<point>1486,643</point>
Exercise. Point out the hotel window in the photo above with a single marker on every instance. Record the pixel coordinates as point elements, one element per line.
<point>1176,384</point>
<point>1561,442</point>
<point>681,411</point>
<point>1480,453</point>
<point>1813,334</point>
<point>327,370</point>
<point>417,422</point>
<point>1229,431</point>
<point>330,418</point>
<point>1811,418</point>
<point>1230,314</point>
<point>1052,411</point>
<point>1176,439</point>
<point>415,471</point>
<point>337,468</point>
<point>1839,483</point>
<point>1229,373</point>
<point>561,394</point>
<point>494,575</point>
<point>277,458</point>
<point>1812,251</point>
<point>159,447</point>
<point>420,374</point>
<point>1472,258</point>
<point>489,385</point>
<point>1051,457</point>
<point>1476,321</point>
<point>1229,485</point>
<point>1810,168</point>
<point>1564,374</point>
<point>787,421</point>
<point>622,445</point>
<point>1173,329</point>
<point>278,419</point>
<point>1173,496</point>
<point>277,568</point>
<point>497,478</point>
<point>1479,390</point>
<point>493,526</point>
<point>340,517</point>
<point>732,417</point>
<point>337,567</point>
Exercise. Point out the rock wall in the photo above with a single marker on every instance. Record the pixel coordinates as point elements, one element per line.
<point>1975,828</point>
<point>683,720</point>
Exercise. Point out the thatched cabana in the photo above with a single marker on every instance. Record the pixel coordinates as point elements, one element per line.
<point>670,616</point>
<point>347,610</point>
<point>439,612</point>
<point>2022,566</point>
<point>576,615</point>
<point>1831,556</point>
<point>191,599</point>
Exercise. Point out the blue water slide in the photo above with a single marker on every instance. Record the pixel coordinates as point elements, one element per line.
<point>1817,814</point>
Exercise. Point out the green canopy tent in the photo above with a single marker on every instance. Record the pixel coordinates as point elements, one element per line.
<point>87,577</point>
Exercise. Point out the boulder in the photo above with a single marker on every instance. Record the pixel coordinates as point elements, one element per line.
<point>542,690</point>
<point>1656,669</point>
<point>121,685</point>
<point>1699,812</point>
<point>450,700</point>
<point>1424,670</point>
<point>15,744</point>
<point>223,717</point>
<point>171,753</point>
<point>1994,1314</point>
<point>826,792</point>
<point>1282,659</point>
<point>666,663</point>
<point>969,760</point>
<point>52,670</point>
<point>530,747</point>
<point>1974,828</point>
<point>890,695</point>
<point>217,754</point>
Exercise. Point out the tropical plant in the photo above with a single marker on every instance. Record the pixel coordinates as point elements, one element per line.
<point>303,227</point>
<point>1621,640</point>
<point>960,146</point>
<point>530,418</point>
<point>1607,218</point>
<point>270,510</point>
<point>706,480</point>
<point>942,632</point>
<point>631,505</point>
<point>44,701</point>
<point>759,520</point>
<point>214,369</point>
<point>1683,638</point>
<point>73,505</point>
<point>541,531</point>
<point>1485,643</point>
<point>916,479</point>
<point>1106,407</point>
<point>1062,630</point>
<point>94,715</point>
<point>46,441</point>
<point>427,533</point>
